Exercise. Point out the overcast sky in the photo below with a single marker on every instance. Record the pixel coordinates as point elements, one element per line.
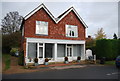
<point>94,14</point>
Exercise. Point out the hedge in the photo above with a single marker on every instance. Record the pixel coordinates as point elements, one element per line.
<point>108,48</point>
<point>21,58</point>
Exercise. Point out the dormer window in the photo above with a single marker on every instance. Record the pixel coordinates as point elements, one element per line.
<point>71,31</point>
<point>42,27</point>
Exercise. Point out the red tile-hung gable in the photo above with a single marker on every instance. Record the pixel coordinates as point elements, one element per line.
<point>55,31</point>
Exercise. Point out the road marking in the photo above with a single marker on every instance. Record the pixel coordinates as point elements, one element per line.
<point>112,73</point>
<point>108,74</point>
<point>115,73</point>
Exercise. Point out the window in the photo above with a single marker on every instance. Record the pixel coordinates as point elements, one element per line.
<point>42,27</point>
<point>71,31</point>
<point>61,50</point>
<point>32,51</point>
<point>40,50</point>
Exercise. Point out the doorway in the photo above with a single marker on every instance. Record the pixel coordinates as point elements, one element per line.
<point>49,50</point>
<point>69,50</point>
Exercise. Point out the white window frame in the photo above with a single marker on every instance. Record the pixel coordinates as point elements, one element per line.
<point>68,50</point>
<point>72,28</point>
<point>41,26</point>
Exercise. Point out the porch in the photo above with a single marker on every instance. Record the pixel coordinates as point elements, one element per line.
<point>53,49</point>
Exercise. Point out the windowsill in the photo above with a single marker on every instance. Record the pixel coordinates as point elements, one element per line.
<point>71,37</point>
<point>41,34</point>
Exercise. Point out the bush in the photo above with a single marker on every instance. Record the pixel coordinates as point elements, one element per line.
<point>13,51</point>
<point>46,59</point>
<point>36,60</point>
<point>6,49</point>
<point>107,48</point>
<point>21,58</point>
<point>10,41</point>
<point>78,58</point>
<point>66,58</point>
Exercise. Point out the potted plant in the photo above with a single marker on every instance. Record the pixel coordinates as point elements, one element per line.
<point>46,61</point>
<point>29,59</point>
<point>78,58</point>
<point>66,60</point>
<point>36,61</point>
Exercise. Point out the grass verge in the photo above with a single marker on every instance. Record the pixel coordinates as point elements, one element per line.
<point>7,61</point>
<point>110,62</point>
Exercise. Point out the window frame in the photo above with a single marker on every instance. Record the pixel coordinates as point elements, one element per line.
<point>40,24</point>
<point>70,32</point>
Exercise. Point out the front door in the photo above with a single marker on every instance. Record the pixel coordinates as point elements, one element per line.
<point>69,52</point>
<point>48,50</point>
<point>40,54</point>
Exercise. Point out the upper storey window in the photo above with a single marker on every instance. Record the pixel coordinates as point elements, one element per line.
<point>71,31</point>
<point>42,27</point>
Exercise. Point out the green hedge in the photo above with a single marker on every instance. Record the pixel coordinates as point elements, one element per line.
<point>21,58</point>
<point>108,48</point>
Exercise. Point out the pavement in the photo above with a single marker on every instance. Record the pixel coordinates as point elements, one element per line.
<point>68,67</point>
<point>70,72</point>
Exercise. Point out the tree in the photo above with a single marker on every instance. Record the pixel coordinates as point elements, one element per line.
<point>11,40</point>
<point>100,34</point>
<point>90,44</point>
<point>11,34</point>
<point>11,22</point>
<point>115,36</point>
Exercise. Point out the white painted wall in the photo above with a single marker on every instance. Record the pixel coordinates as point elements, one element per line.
<point>55,42</point>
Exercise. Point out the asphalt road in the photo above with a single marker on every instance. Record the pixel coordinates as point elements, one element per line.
<point>88,72</point>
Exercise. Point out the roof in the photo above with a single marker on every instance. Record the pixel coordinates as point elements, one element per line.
<point>56,20</point>
<point>63,13</point>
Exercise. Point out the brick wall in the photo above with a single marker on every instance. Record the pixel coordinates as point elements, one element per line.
<point>55,31</point>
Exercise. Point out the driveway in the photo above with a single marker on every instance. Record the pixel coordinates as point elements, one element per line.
<point>75,72</point>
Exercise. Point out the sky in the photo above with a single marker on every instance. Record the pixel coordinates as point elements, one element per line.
<point>95,14</point>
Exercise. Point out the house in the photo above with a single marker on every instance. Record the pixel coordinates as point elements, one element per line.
<point>45,36</point>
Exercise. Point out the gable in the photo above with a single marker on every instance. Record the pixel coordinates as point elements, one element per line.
<point>38,8</point>
<point>59,18</point>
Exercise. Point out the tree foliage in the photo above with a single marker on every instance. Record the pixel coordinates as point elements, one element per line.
<point>10,40</point>
<point>90,44</point>
<point>11,22</point>
<point>11,35</point>
<point>100,34</point>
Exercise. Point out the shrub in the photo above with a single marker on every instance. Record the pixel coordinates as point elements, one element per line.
<point>21,58</point>
<point>78,58</point>
<point>46,59</point>
<point>13,51</point>
<point>10,40</point>
<point>36,60</point>
<point>66,58</point>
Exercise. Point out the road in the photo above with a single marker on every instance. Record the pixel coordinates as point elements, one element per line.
<point>88,72</point>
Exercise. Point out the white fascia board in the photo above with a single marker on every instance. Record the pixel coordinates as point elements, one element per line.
<point>31,13</point>
<point>59,41</point>
<point>37,10</point>
<point>76,14</point>
<point>64,15</point>
<point>56,21</point>
<point>80,18</point>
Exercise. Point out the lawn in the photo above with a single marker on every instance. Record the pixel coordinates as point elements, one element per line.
<point>110,62</point>
<point>6,60</point>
